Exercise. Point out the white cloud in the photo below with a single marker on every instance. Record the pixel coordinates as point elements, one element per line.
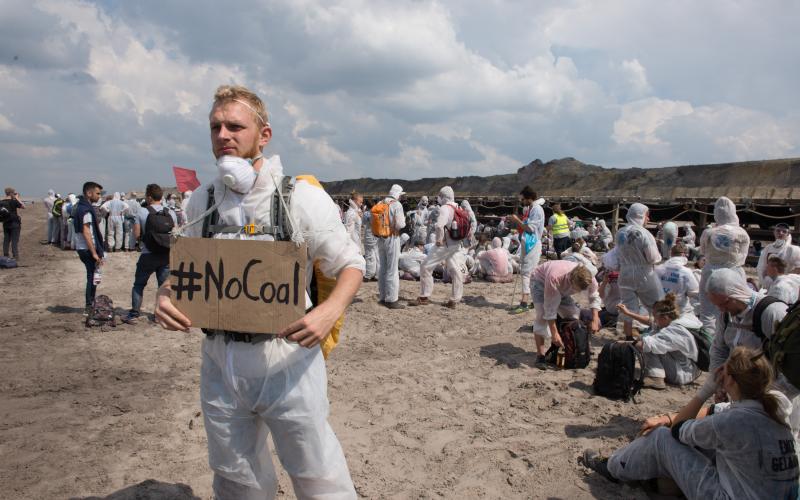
<point>5,124</point>
<point>636,77</point>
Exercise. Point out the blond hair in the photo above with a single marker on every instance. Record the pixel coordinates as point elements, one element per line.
<point>668,307</point>
<point>580,277</point>
<point>244,96</point>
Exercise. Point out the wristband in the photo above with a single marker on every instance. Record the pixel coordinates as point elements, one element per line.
<point>670,419</point>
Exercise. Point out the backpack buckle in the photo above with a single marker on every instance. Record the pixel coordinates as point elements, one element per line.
<point>252,229</point>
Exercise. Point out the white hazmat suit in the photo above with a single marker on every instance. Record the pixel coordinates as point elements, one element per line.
<point>677,278</point>
<point>637,254</point>
<point>116,209</point>
<point>783,248</point>
<point>725,246</point>
<point>445,250</point>
<point>531,243</point>
<point>389,249</point>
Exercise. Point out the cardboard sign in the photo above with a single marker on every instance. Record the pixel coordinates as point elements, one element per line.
<point>238,285</point>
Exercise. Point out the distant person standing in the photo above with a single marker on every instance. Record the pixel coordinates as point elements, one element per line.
<point>389,250</point>
<point>558,225</point>
<point>12,224</point>
<point>531,226</point>
<point>48,206</point>
<point>131,216</point>
<point>89,242</point>
<point>116,209</point>
<point>154,223</point>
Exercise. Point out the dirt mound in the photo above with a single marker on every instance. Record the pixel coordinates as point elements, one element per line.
<point>765,180</point>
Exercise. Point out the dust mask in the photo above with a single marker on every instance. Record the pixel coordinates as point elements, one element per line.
<point>237,173</point>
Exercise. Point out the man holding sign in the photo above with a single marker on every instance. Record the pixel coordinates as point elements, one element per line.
<point>253,384</point>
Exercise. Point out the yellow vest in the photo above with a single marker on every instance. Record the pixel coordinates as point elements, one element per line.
<point>561,226</point>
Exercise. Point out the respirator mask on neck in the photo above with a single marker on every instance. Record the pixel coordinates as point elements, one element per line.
<point>237,173</point>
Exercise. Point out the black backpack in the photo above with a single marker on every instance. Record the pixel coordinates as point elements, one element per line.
<point>5,212</point>
<point>575,337</point>
<point>101,313</point>
<point>702,340</point>
<point>158,230</point>
<point>616,371</point>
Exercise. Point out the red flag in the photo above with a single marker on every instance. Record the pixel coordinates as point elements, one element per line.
<point>186,179</point>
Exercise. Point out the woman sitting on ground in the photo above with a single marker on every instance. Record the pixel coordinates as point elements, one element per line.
<point>743,450</point>
<point>670,353</point>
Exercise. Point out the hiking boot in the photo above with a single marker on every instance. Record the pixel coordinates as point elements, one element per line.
<point>541,362</point>
<point>450,304</point>
<point>654,383</point>
<point>87,310</point>
<point>594,461</point>
<point>420,301</point>
<point>522,308</point>
<point>394,305</point>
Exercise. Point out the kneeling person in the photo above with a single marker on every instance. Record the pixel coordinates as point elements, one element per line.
<point>553,284</point>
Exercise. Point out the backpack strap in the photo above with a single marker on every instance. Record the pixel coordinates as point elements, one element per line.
<point>639,382</point>
<point>280,227</point>
<point>758,311</point>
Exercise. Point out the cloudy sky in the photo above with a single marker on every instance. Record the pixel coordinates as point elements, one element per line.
<point>119,91</point>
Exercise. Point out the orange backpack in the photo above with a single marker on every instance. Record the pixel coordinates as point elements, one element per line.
<point>381,224</point>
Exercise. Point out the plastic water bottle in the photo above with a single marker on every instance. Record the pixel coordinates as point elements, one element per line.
<point>454,229</point>
<point>98,276</point>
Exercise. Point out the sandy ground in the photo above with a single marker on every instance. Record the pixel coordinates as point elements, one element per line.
<point>427,402</point>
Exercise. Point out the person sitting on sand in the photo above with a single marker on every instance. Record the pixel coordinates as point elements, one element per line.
<point>494,264</point>
<point>781,273</point>
<point>742,451</point>
<point>670,353</point>
<point>677,278</point>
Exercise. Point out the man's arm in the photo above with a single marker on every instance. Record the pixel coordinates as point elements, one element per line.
<point>87,234</point>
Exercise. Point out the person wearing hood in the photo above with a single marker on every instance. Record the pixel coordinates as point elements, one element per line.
<point>411,259</point>
<point>69,209</point>
<point>604,236</point>
<point>421,227</point>
<point>689,237</point>
<point>669,235</point>
<point>494,264</point>
<point>389,251</point>
<point>670,351</point>
<point>531,227</point>
<point>677,278</point>
<point>12,225</point>
<point>49,200</point>
<point>445,250</point>
<point>353,218</point>
<point>131,216</point>
<point>371,257</point>
<point>116,209</point>
<point>637,253</point>
<point>780,247</point>
<point>270,382</point>
<point>725,246</point>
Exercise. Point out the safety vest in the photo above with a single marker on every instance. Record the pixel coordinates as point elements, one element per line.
<point>561,226</point>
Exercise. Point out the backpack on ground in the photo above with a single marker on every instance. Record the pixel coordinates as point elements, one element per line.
<point>702,340</point>
<point>616,371</point>
<point>5,212</point>
<point>381,223</point>
<point>58,206</point>
<point>158,230</point>
<point>575,337</point>
<point>783,348</point>
<point>459,228</point>
<point>7,263</point>
<point>102,312</point>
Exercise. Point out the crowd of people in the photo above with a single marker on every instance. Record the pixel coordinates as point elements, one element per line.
<point>657,292</point>
<point>647,288</point>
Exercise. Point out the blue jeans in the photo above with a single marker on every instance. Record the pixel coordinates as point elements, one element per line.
<point>91,265</point>
<point>147,265</point>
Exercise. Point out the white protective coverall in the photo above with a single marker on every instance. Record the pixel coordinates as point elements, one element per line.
<point>637,253</point>
<point>130,221</point>
<point>739,331</point>
<point>690,238</point>
<point>352,222</point>
<point>670,237</point>
<point>605,236</point>
<point>389,249</point>
<point>421,229</point>
<point>725,246</point>
<point>430,223</point>
<point>411,260</point>
<point>116,209</point>
<point>370,247</point>
<point>49,200</point>
<point>784,249</point>
<point>580,259</point>
<point>753,456</point>
<point>445,250</point>
<point>473,224</point>
<point>494,262</point>
<point>677,278</point>
<point>248,390</point>
<point>533,227</point>
<point>671,352</point>
<point>552,293</point>
<point>786,288</point>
